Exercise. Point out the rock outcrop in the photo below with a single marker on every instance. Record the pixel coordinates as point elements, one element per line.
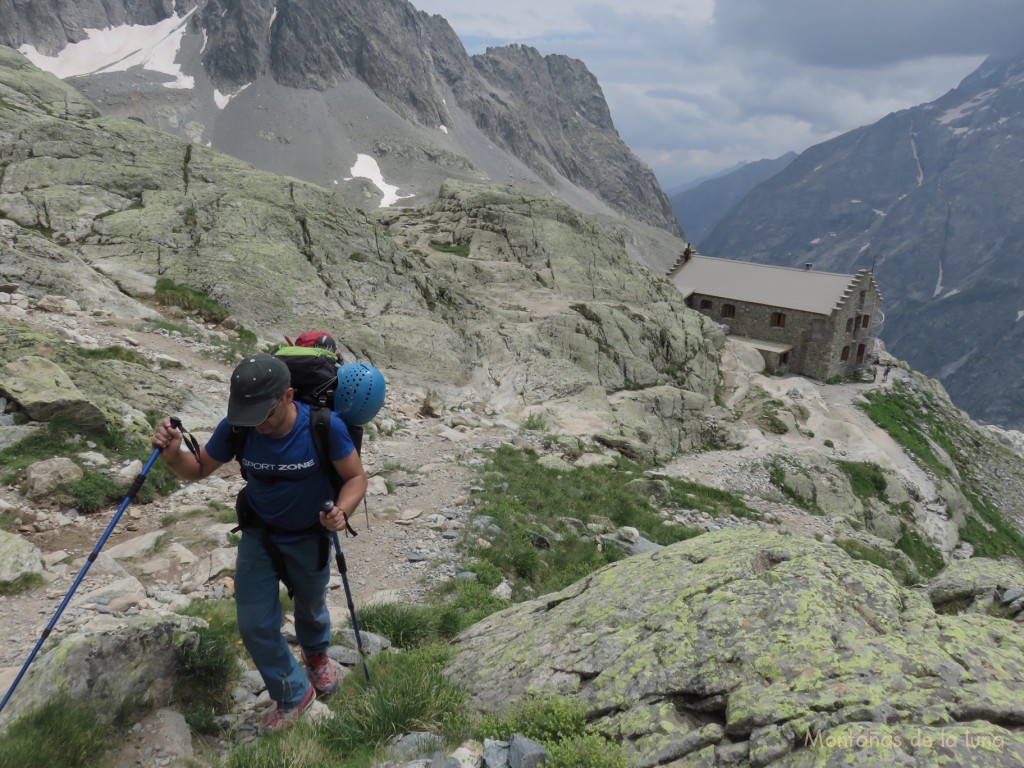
<point>760,649</point>
<point>547,296</point>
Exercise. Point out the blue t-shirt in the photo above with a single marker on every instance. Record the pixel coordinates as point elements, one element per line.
<point>285,484</point>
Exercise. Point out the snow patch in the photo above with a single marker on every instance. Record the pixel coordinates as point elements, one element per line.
<point>117,49</point>
<point>953,292</point>
<point>223,99</point>
<point>1020,314</point>
<point>969,106</point>
<point>444,129</point>
<point>366,168</point>
<point>879,212</point>
<point>856,202</point>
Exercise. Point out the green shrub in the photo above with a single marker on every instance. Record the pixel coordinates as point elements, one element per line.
<point>770,422</point>
<point>208,665</point>
<point>535,422</point>
<point>26,582</point>
<point>63,732</point>
<point>488,575</point>
<point>93,491</point>
<point>588,751</point>
<point>461,604</point>
<point>586,312</point>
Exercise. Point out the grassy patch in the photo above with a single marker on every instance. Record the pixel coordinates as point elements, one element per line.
<point>910,423</point>
<point>586,312</point>
<point>866,479</point>
<point>406,626</point>
<point>988,533</point>
<point>63,732</point>
<point>24,583</point>
<point>172,294</point>
<point>861,551</point>
<point>208,667</point>
<point>458,250</point>
<point>409,693</point>
<point>94,490</point>
<point>777,477</point>
<point>559,724</point>
<point>523,498</point>
<point>115,352</point>
<point>926,558</point>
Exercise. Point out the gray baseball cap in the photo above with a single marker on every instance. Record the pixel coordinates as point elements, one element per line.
<point>255,383</point>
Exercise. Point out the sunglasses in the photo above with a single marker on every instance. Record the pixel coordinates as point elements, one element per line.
<point>273,409</point>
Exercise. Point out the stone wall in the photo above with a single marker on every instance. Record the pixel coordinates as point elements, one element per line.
<point>818,341</point>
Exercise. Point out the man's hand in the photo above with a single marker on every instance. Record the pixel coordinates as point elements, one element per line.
<point>166,438</point>
<point>333,519</point>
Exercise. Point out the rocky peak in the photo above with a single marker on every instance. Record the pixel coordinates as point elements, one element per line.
<point>49,25</point>
<point>546,115</point>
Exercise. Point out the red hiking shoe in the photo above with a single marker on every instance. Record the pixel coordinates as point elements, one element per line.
<point>282,718</point>
<point>321,673</point>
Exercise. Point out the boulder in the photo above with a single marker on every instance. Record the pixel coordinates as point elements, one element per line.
<point>18,559</point>
<point>92,666</point>
<point>778,642</point>
<point>44,477</point>
<point>44,391</point>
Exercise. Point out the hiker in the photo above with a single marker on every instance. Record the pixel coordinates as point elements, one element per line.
<point>284,533</point>
<point>885,372</point>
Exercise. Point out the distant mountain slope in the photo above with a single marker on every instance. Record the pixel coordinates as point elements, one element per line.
<point>376,99</point>
<point>700,208</point>
<point>930,197</point>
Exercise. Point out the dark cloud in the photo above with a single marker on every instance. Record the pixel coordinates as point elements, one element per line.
<point>867,33</point>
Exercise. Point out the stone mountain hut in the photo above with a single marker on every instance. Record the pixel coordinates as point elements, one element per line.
<point>815,324</point>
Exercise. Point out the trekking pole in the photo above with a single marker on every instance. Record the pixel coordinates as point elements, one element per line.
<point>135,486</point>
<point>343,569</point>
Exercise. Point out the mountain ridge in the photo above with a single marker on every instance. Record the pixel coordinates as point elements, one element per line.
<point>926,198</point>
<point>546,115</point>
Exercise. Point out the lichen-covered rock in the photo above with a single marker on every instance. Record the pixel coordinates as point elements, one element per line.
<point>964,580</point>
<point>18,559</point>
<point>44,391</point>
<point>784,643</point>
<point>91,666</point>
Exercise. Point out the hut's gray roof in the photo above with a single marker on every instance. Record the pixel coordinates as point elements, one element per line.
<point>784,287</point>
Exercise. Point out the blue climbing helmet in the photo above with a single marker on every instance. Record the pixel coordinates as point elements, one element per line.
<point>360,393</point>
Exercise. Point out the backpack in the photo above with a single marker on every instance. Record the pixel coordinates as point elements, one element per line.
<point>314,372</point>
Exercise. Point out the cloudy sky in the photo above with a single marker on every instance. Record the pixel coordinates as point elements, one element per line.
<point>697,86</point>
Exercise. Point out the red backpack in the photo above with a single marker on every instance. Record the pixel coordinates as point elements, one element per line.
<point>317,339</point>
